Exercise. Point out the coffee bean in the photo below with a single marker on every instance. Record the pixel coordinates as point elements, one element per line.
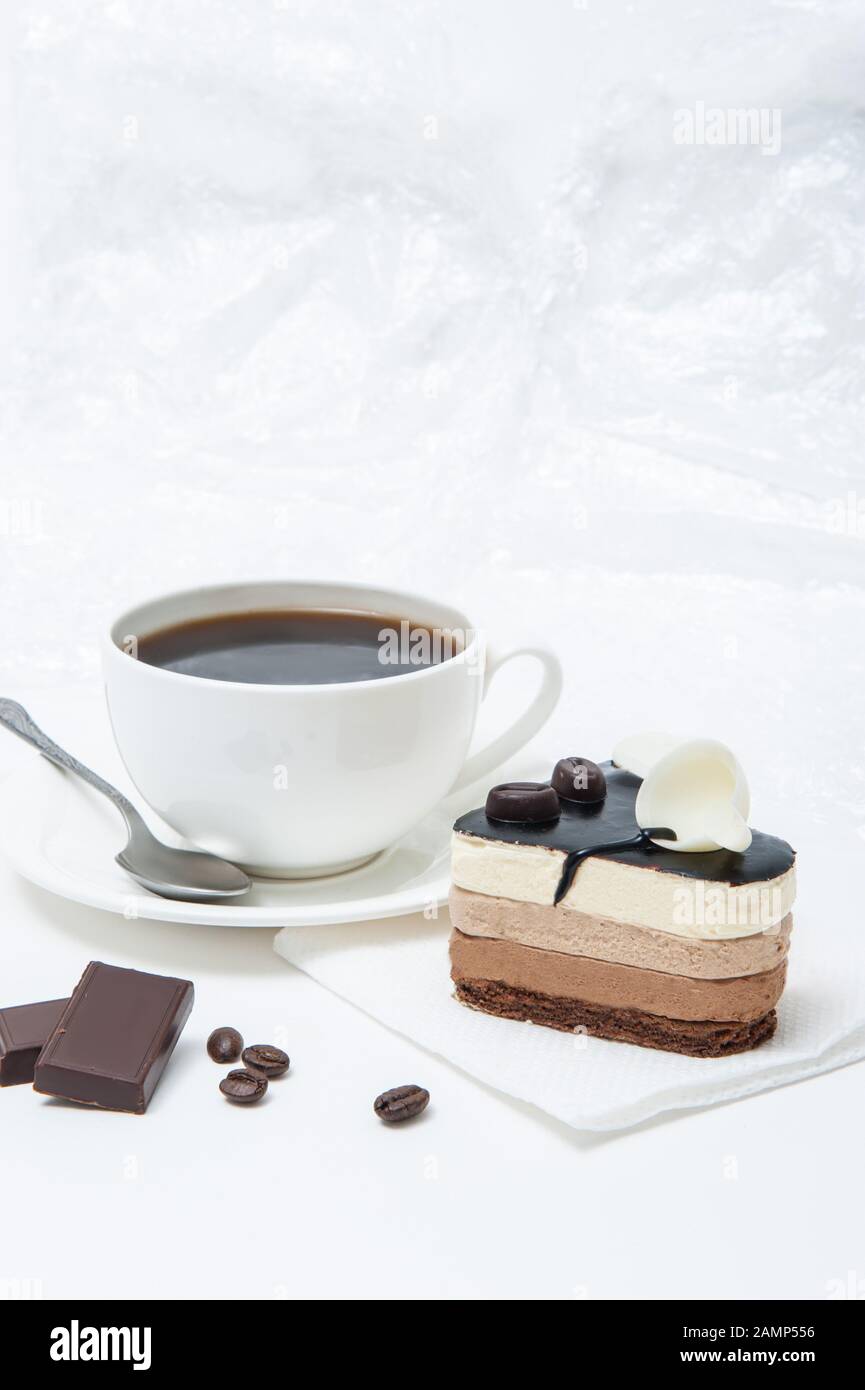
<point>523,803</point>
<point>242,1087</point>
<point>579,779</point>
<point>224,1045</point>
<point>266,1060</point>
<point>402,1103</point>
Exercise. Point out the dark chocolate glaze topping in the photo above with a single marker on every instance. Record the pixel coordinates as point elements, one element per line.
<point>583,826</point>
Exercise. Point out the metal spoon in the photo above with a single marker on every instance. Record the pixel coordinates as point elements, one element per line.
<point>192,875</point>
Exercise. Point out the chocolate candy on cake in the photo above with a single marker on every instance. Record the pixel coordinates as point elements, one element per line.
<point>523,803</point>
<point>579,779</point>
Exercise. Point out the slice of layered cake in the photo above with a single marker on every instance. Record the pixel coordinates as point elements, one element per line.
<point>569,911</point>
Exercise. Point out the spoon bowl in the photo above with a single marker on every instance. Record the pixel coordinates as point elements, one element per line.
<point>189,875</point>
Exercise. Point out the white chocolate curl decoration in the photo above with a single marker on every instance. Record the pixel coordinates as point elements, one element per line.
<point>696,788</point>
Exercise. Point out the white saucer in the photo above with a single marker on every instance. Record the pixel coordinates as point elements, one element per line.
<point>62,835</point>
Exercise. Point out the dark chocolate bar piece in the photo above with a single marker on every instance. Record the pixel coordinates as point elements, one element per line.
<point>23,1032</point>
<point>114,1038</point>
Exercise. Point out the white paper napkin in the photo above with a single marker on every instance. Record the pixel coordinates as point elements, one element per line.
<point>398,972</point>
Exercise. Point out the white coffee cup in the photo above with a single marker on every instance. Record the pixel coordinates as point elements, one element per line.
<point>294,781</point>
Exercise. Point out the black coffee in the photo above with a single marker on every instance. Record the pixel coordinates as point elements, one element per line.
<point>297,647</point>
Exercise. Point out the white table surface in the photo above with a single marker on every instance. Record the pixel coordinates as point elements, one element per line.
<point>309,1195</point>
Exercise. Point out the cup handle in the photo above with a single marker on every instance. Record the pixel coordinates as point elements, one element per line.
<point>528,723</point>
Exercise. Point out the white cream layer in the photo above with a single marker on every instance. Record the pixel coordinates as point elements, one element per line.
<point>697,908</point>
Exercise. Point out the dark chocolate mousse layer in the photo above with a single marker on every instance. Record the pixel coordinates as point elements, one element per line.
<point>692,1039</point>
<point>581,826</point>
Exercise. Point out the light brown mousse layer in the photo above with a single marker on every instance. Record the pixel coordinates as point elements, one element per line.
<point>580,934</point>
<point>607,985</point>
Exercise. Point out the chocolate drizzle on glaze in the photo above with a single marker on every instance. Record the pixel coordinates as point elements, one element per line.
<point>597,827</point>
<point>576,856</point>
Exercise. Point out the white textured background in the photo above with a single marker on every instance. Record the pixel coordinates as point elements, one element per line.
<point>425,293</point>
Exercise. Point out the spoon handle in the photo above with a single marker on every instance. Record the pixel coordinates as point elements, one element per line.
<point>16,719</point>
